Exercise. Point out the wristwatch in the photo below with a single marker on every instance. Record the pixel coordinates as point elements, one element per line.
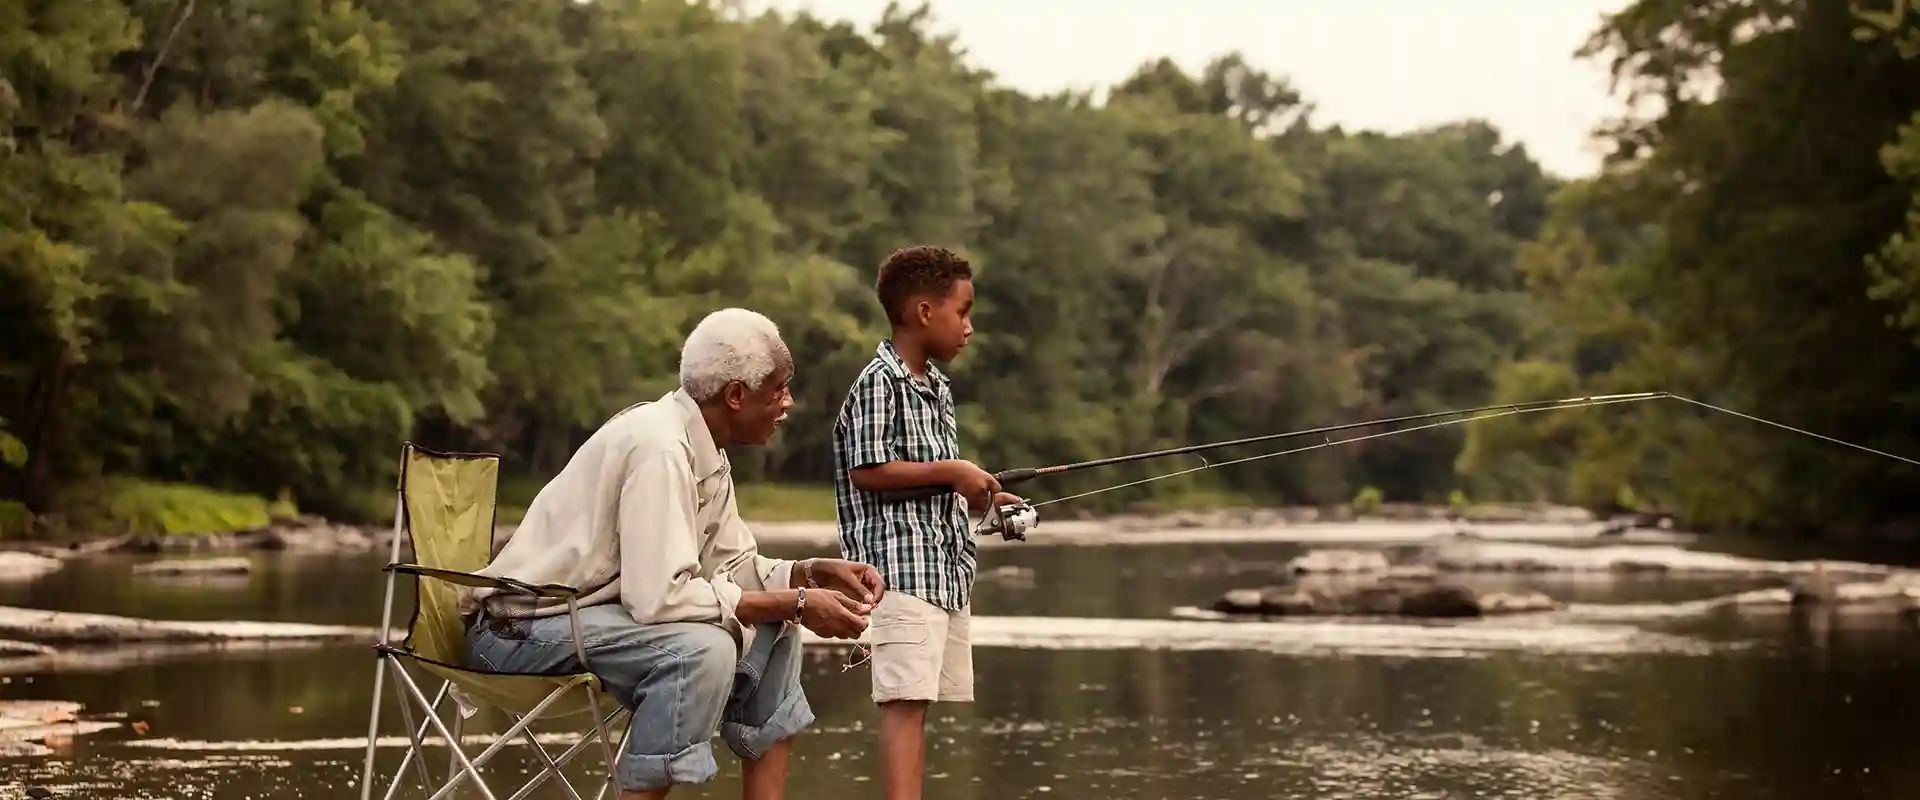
<point>800,605</point>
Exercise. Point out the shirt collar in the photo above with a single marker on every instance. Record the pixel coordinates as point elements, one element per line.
<point>898,366</point>
<point>707,458</point>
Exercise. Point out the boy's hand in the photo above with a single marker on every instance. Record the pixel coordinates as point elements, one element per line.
<point>834,615</point>
<point>851,578</point>
<point>973,483</point>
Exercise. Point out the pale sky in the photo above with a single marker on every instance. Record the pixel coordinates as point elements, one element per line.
<point>1390,65</point>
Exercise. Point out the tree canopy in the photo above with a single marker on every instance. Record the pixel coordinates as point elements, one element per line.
<point>256,246</point>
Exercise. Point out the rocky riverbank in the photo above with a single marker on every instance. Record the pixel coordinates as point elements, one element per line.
<point>305,534</point>
<point>42,627</point>
<point>1432,580</point>
<point>1461,555</point>
<point>40,728</point>
<point>1395,594</point>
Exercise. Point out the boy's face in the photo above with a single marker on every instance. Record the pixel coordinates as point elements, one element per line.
<point>948,321</point>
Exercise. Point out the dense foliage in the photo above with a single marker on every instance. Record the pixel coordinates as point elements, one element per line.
<point>257,245</point>
<point>1752,244</point>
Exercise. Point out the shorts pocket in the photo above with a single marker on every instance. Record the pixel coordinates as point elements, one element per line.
<point>902,656</point>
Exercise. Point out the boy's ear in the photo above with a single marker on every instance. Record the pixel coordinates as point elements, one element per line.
<point>923,311</point>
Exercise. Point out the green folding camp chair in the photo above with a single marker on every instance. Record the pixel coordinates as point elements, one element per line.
<point>445,508</point>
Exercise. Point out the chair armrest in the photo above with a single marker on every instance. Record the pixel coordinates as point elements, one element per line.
<point>553,590</point>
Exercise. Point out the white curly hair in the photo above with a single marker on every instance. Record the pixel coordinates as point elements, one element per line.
<point>732,344</point>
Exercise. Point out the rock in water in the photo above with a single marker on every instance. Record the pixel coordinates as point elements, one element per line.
<point>75,628</point>
<point>35,728</point>
<point>18,566</point>
<point>1339,562</point>
<point>1284,601</point>
<point>196,566</point>
<point>1239,601</point>
<point>1515,603</point>
<point>1441,600</point>
<point>1381,601</point>
<point>1417,597</point>
<point>13,649</point>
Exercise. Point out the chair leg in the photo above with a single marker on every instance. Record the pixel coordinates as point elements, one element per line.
<point>415,734</point>
<point>386,628</point>
<point>373,728</point>
<point>608,783</point>
<point>568,756</point>
<point>600,732</point>
<point>552,767</point>
<point>452,741</point>
<point>518,726</point>
<point>458,727</point>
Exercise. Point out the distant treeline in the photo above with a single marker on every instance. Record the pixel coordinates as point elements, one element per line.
<point>255,246</point>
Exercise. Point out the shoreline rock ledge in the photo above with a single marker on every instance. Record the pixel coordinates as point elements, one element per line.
<point>1400,593</point>
<point>1452,555</point>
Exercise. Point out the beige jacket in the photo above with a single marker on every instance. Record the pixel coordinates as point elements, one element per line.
<point>643,514</point>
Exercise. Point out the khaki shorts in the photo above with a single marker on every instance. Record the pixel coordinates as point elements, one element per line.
<point>920,651</point>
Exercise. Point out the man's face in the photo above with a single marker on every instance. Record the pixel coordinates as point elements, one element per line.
<point>949,322</point>
<point>757,413</point>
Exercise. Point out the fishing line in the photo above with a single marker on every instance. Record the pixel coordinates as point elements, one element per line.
<point>1012,521</point>
<point>1580,403</point>
<point>1010,477</point>
<point>1783,426</point>
<point>860,654</point>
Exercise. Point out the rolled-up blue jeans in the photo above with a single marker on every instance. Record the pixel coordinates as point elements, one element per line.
<point>680,679</point>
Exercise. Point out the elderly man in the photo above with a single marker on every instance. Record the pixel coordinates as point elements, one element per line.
<point>681,618</point>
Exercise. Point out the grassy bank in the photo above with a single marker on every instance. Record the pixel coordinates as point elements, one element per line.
<point>129,505</point>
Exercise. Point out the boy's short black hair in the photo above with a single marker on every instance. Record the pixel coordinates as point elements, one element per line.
<point>910,272</point>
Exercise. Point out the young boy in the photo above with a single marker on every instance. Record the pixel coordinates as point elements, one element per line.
<point>896,431</point>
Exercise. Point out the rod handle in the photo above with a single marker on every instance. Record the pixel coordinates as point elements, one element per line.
<point>1005,477</point>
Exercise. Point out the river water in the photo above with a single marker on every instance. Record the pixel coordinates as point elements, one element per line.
<point>1089,687</point>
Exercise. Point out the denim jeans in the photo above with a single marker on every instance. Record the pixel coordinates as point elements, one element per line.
<point>680,680</point>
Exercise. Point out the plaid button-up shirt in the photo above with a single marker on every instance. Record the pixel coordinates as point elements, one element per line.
<point>921,547</point>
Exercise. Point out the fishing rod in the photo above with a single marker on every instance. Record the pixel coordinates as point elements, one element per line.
<point>1013,520</point>
<point>1013,477</point>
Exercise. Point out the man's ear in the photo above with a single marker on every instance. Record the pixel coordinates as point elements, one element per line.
<point>735,395</point>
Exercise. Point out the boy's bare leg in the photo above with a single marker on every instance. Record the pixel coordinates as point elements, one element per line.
<point>903,731</point>
<point>765,778</point>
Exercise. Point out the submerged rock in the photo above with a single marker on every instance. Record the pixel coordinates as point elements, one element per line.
<point>1417,596</point>
<point>19,566</point>
<point>1339,562</point>
<point>314,536</point>
<point>39,728</point>
<point>13,649</point>
<point>1489,556</point>
<point>72,628</point>
<point>196,566</point>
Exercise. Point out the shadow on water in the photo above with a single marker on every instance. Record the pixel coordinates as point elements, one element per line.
<point>1804,710</point>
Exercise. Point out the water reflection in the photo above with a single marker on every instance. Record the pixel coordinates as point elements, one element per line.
<point>1796,712</point>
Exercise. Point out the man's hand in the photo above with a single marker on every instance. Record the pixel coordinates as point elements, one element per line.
<point>856,580</point>
<point>834,615</point>
<point>973,483</point>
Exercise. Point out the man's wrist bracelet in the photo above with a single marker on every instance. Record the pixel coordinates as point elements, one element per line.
<point>806,574</point>
<point>800,605</point>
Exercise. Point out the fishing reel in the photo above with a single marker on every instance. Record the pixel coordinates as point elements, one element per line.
<point>1011,521</point>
